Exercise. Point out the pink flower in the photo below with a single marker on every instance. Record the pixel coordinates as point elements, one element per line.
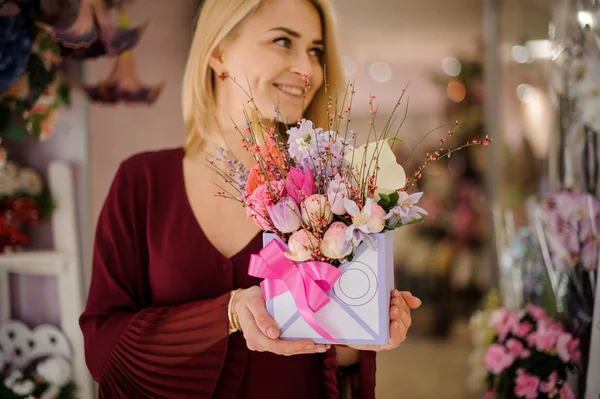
<point>538,313</point>
<point>258,202</point>
<point>566,392</point>
<point>316,211</point>
<point>516,348</point>
<point>285,215</point>
<point>546,335</point>
<point>562,347</point>
<point>336,192</point>
<point>527,386</point>
<point>497,359</point>
<point>548,386</point>
<point>503,321</point>
<point>300,184</point>
<point>522,329</point>
<point>574,351</point>
<point>334,244</point>
<point>376,221</point>
<point>302,245</point>
<point>490,394</point>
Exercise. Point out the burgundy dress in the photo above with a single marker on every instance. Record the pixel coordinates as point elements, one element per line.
<point>155,324</point>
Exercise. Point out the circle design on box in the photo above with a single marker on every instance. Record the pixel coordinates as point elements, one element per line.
<point>363,287</point>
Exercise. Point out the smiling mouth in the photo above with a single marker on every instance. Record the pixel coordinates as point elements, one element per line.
<point>290,90</point>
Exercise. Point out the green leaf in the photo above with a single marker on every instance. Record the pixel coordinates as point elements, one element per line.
<point>416,221</point>
<point>394,197</point>
<point>13,132</point>
<point>64,92</point>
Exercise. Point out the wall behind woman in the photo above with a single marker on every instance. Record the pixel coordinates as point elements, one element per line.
<point>117,132</point>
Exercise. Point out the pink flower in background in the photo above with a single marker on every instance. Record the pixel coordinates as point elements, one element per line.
<point>574,351</point>
<point>546,335</point>
<point>302,245</point>
<point>503,321</point>
<point>566,392</point>
<point>538,313</point>
<point>549,385</point>
<point>285,215</point>
<point>260,200</point>
<point>299,184</point>
<point>334,244</point>
<point>522,329</point>
<point>497,359</point>
<point>527,386</point>
<point>516,348</point>
<point>490,394</point>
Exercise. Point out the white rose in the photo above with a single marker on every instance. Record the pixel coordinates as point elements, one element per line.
<point>23,388</point>
<point>9,182</point>
<point>55,370</point>
<point>30,181</point>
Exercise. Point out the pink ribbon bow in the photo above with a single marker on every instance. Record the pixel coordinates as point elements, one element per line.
<point>307,281</point>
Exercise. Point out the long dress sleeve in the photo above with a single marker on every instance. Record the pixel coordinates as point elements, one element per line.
<point>136,351</point>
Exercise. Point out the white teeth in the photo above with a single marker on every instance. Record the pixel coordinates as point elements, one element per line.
<point>291,90</point>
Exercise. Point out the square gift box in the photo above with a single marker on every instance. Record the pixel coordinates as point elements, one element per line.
<point>357,311</point>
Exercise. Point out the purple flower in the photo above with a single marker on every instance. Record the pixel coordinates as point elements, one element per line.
<point>285,215</point>
<point>406,210</point>
<point>302,141</point>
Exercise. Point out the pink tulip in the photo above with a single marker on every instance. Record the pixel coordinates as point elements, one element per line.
<point>497,359</point>
<point>334,244</point>
<point>527,386</point>
<point>259,201</point>
<point>302,245</point>
<point>300,184</point>
<point>336,192</point>
<point>316,210</point>
<point>285,215</point>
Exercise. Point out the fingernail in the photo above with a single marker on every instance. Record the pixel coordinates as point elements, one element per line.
<point>309,347</point>
<point>328,347</point>
<point>321,350</point>
<point>395,311</point>
<point>396,325</point>
<point>272,333</point>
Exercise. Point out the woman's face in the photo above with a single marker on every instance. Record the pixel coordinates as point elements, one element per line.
<point>268,56</point>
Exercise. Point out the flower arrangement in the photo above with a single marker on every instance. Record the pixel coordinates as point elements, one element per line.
<point>530,356</point>
<point>567,224</point>
<point>24,200</point>
<point>319,192</point>
<point>46,378</point>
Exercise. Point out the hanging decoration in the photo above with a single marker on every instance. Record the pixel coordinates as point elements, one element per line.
<point>39,39</point>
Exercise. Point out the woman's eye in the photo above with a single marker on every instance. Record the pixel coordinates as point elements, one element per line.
<point>283,42</point>
<point>317,52</point>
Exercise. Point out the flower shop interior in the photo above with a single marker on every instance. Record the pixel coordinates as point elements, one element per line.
<point>505,261</point>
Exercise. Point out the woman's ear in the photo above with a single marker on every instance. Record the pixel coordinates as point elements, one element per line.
<point>216,60</point>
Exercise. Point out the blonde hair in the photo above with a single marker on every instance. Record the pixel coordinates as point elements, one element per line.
<point>216,22</point>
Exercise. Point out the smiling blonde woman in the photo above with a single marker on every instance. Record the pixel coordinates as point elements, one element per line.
<point>172,311</point>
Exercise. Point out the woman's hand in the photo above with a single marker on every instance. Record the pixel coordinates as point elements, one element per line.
<point>400,321</point>
<point>261,332</point>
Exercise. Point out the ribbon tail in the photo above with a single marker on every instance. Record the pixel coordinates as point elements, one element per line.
<point>308,316</point>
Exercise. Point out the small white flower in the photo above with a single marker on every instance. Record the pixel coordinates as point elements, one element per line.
<point>30,181</point>
<point>12,378</point>
<point>55,370</point>
<point>23,388</point>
